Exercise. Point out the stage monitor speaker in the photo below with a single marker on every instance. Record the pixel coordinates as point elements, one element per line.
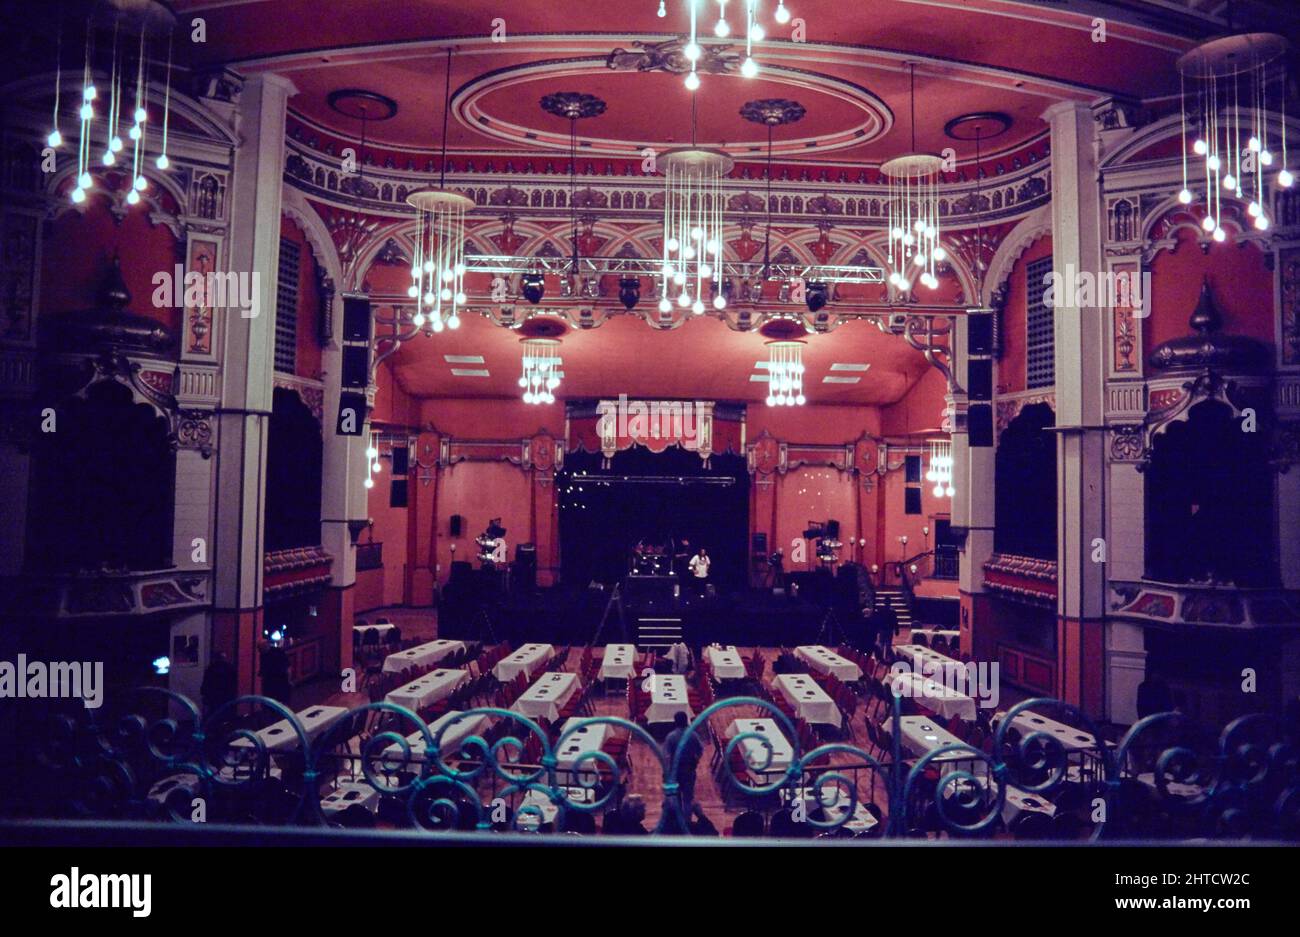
<point>397,493</point>
<point>356,319</point>
<point>833,530</point>
<point>401,460</point>
<point>758,543</point>
<point>455,525</point>
<point>352,414</point>
<point>356,366</point>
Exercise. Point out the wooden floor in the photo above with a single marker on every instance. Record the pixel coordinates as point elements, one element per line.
<point>720,803</point>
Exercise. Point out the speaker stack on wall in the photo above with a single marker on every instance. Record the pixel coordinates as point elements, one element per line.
<point>979,377</point>
<point>356,366</point>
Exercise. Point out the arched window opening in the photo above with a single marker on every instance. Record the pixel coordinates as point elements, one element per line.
<point>1025,496</point>
<point>1209,501</point>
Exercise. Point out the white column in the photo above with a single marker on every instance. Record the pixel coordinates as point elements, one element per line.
<point>1080,345</point>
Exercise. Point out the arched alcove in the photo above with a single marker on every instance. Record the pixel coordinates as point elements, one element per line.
<point>293,474</point>
<point>102,486</point>
<point>1209,501</point>
<point>1025,496</point>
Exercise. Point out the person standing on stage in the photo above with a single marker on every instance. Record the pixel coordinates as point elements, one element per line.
<point>699,567</point>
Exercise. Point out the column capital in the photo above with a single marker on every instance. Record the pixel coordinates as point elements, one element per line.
<point>1063,108</point>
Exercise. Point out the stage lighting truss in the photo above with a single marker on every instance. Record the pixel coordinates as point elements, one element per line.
<point>940,471</point>
<point>438,270</point>
<point>785,373</point>
<point>541,369</point>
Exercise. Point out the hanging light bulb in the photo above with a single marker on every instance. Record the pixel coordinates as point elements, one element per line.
<point>785,373</point>
<point>693,208</point>
<point>540,372</point>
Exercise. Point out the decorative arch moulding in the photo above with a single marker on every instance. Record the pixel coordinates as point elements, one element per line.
<point>868,456</point>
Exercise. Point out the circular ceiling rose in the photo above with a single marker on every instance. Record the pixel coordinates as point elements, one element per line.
<point>542,326</point>
<point>1231,55</point>
<point>360,104</point>
<point>911,164</point>
<point>830,113</point>
<point>981,125</point>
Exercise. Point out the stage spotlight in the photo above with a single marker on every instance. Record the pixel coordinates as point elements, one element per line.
<point>533,286</point>
<point>629,291</point>
<point>815,295</point>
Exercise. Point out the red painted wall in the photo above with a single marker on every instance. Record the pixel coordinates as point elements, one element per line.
<point>1012,365</point>
<point>79,248</point>
<point>1241,283</point>
<point>309,351</point>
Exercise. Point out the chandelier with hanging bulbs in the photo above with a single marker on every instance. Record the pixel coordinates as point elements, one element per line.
<point>940,470</point>
<point>753,32</point>
<point>785,373</point>
<point>541,369</point>
<point>692,232</point>
<point>1235,80</point>
<point>438,270</point>
<point>138,30</point>
<point>914,248</point>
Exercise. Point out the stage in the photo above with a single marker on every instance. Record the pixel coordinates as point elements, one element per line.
<point>749,617</point>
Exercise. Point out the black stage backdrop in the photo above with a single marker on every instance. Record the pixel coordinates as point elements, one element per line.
<point>655,497</point>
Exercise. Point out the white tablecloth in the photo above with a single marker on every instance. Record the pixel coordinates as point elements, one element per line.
<point>824,660</point>
<point>349,793</point>
<point>1071,739</point>
<point>619,662</point>
<point>459,729</point>
<point>544,698</point>
<point>549,811</point>
<point>726,661</point>
<point>668,695</point>
<point>380,629</point>
<point>920,735</point>
<point>281,737</point>
<point>934,696</point>
<point>529,659</point>
<point>427,690</point>
<point>589,738</point>
<point>422,655</point>
<point>925,659</point>
<point>756,753</point>
<point>1016,802</point>
<point>809,700</point>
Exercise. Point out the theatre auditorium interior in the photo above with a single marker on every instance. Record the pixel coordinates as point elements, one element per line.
<point>770,420</point>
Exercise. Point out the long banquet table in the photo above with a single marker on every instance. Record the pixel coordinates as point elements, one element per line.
<point>281,737</point>
<point>944,700</point>
<point>458,728</point>
<point>756,753</point>
<point>619,662</point>
<point>544,698</point>
<point>422,655</point>
<point>727,663</point>
<point>921,735</point>
<point>668,696</point>
<point>428,689</point>
<point>809,700</point>
<point>824,660</point>
<point>529,659</point>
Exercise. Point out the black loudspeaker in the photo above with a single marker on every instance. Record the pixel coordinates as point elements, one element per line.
<point>461,571</point>
<point>979,333</point>
<point>356,366</point>
<point>454,524</point>
<point>758,543</point>
<point>356,319</point>
<point>352,415</point>
<point>979,424</point>
<point>833,530</point>
<point>979,379</point>
<point>401,460</point>
<point>397,493</point>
